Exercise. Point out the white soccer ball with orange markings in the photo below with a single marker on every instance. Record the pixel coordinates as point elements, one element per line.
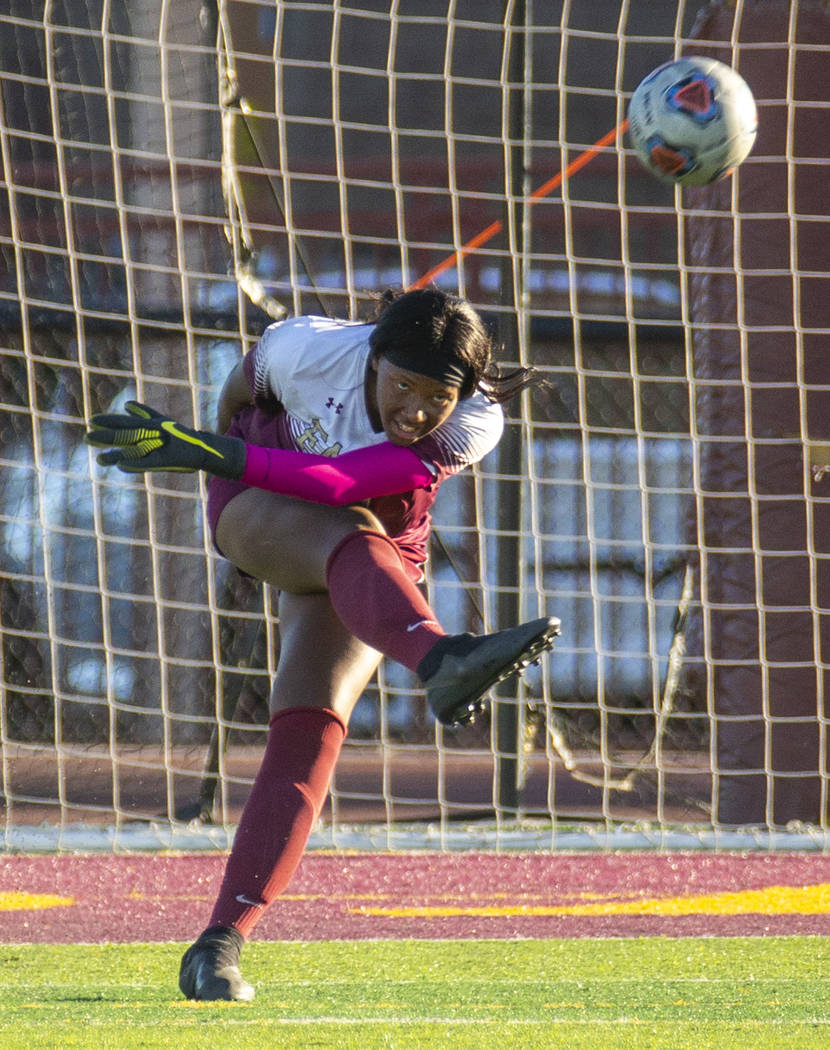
<point>692,121</point>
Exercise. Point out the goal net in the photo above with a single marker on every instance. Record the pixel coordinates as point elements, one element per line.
<point>175,176</point>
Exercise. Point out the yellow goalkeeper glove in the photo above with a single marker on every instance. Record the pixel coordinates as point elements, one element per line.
<point>144,439</point>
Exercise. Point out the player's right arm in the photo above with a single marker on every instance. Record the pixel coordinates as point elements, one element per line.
<point>234,396</point>
<point>142,439</point>
<point>252,379</point>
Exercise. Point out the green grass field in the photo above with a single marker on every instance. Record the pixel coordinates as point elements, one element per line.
<point>357,995</point>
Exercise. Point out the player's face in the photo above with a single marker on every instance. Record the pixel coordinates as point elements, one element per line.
<point>407,405</point>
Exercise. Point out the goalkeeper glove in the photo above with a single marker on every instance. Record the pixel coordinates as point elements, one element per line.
<point>144,439</point>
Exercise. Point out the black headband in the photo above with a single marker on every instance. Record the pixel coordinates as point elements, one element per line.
<point>428,363</point>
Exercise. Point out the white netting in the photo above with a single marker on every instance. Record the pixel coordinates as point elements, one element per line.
<point>176,172</point>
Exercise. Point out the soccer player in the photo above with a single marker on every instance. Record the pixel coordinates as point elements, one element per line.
<point>335,438</point>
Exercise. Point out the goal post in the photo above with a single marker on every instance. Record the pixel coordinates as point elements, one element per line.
<point>177,175</point>
<point>762,382</point>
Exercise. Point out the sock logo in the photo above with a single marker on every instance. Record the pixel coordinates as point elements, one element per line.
<point>422,623</point>
<point>247,900</point>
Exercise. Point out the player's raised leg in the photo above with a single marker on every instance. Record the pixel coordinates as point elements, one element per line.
<point>345,551</point>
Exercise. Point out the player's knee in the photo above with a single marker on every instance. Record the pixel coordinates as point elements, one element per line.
<point>362,519</point>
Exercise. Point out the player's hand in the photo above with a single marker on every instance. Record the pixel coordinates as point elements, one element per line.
<point>143,439</point>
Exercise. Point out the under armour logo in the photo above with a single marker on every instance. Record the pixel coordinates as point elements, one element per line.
<point>338,408</point>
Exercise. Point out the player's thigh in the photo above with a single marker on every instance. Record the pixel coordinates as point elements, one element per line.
<point>320,664</point>
<point>283,541</point>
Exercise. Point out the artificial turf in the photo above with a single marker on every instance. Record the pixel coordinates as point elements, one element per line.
<point>358,995</point>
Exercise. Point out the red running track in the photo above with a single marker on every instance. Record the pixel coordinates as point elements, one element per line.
<point>95,898</point>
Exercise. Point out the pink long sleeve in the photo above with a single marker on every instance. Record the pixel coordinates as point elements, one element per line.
<point>380,470</point>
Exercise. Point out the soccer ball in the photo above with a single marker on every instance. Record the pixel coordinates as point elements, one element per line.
<point>692,121</point>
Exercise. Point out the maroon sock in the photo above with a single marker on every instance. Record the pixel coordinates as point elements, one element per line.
<point>377,601</point>
<point>289,791</point>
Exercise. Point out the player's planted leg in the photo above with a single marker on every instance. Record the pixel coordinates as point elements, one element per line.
<point>285,802</point>
<point>210,967</point>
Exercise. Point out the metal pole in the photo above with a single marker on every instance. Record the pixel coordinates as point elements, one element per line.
<point>507,713</point>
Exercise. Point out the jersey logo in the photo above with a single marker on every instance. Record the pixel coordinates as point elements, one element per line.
<point>314,438</point>
<point>338,408</point>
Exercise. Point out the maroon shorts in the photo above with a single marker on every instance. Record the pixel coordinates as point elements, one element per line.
<point>251,424</point>
<point>257,427</point>
<point>220,493</point>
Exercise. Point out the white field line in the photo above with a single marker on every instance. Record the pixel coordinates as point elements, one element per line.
<point>485,982</point>
<point>458,1022</point>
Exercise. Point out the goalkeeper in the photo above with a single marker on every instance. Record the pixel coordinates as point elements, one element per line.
<point>335,437</point>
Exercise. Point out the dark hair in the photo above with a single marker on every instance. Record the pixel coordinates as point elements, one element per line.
<point>447,327</point>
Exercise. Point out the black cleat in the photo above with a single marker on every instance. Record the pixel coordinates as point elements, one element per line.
<point>210,967</point>
<point>461,668</point>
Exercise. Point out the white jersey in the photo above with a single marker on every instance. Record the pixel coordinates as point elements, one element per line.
<point>316,369</point>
